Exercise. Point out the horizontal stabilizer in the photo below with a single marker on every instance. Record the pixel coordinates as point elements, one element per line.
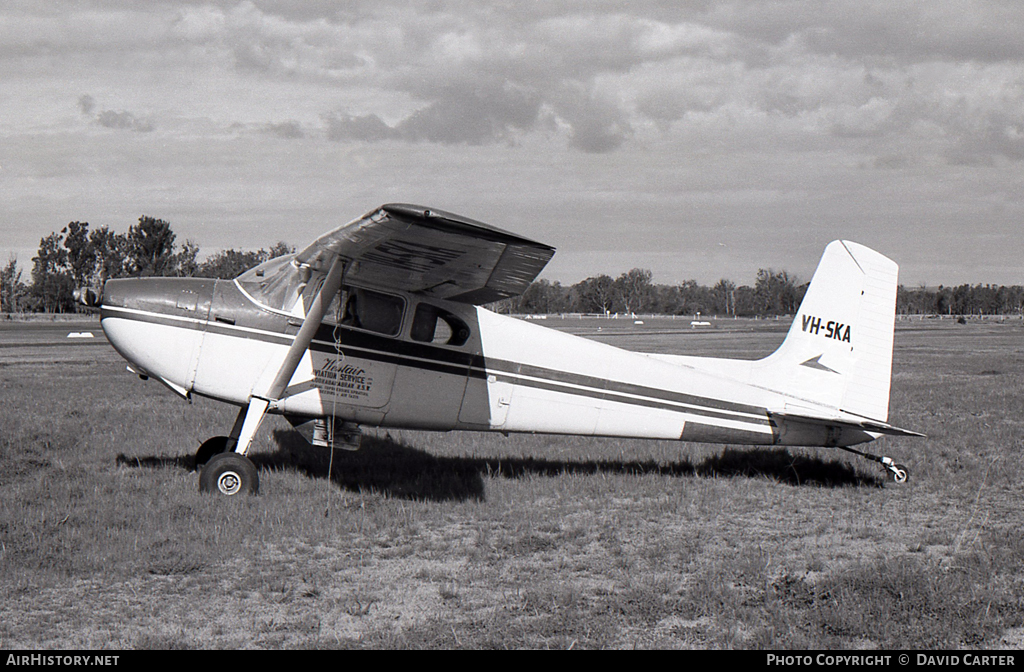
<point>864,424</point>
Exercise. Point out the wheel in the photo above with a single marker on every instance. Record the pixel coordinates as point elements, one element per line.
<point>210,447</point>
<point>899,473</point>
<point>229,474</point>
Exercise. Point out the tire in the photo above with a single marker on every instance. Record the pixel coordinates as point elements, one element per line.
<point>210,447</point>
<point>900,475</point>
<point>229,474</point>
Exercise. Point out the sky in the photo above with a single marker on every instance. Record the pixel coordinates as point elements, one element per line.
<point>700,140</point>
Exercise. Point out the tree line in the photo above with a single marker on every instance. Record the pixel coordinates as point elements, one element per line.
<point>78,256</point>
<point>774,293</point>
<point>634,292</point>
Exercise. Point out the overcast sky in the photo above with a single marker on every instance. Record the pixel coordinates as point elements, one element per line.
<point>700,140</point>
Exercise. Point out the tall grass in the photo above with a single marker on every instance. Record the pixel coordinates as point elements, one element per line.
<point>472,540</point>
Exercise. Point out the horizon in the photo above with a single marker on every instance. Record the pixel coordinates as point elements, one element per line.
<point>702,141</point>
<point>798,280</point>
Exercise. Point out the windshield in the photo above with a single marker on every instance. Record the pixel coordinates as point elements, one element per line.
<point>276,283</point>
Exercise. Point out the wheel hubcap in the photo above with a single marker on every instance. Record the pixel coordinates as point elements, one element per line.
<point>229,483</point>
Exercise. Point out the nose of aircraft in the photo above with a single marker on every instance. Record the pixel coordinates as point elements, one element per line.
<point>179,297</point>
<point>157,325</point>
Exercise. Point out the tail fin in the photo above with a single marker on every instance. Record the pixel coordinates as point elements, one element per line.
<point>838,351</point>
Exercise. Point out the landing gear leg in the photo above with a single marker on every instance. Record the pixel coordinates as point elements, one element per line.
<point>898,471</point>
<point>232,472</point>
<point>225,468</point>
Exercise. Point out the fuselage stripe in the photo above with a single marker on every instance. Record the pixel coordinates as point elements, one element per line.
<point>526,371</point>
<point>620,395</point>
<point>607,395</point>
<point>475,366</point>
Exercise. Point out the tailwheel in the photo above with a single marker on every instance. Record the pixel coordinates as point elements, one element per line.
<point>898,471</point>
<point>229,474</point>
<point>211,447</point>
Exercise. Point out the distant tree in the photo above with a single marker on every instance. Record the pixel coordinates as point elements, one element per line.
<point>228,264</point>
<point>695,299</point>
<point>725,297</point>
<point>502,307</point>
<point>745,301</point>
<point>12,290</point>
<point>279,249</point>
<point>52,284</point>
<point>77,257</point>
<point>81,258</point>
<point>594,295</point>
<point>542,296</point>
<point>635,289</point>
<point>666,300</point>
<point>111,251</point>
<point>943,303</point>
<point>1011,300</point>
<point>151,248</point>
<point>776,293</point>
<point>961,300</point>
<point>185,261</point>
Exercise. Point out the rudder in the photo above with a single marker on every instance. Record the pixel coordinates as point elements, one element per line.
<point>838,352</point>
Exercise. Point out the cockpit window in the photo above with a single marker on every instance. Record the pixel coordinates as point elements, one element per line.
<point>365,309</point>
<point>435,325</point>
<point>277,283</point>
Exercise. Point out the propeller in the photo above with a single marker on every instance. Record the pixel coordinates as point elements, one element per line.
<point>88,297</point>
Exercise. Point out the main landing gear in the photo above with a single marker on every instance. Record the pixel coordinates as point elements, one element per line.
<point>898,471</point>
<point>227,470</point>
<point>229,474</point>
<point>221,470</point>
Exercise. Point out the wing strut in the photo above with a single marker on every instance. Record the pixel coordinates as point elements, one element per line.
<point>251,415</point>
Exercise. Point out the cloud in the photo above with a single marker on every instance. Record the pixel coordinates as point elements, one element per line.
<point>474,114</point>
<point>111,119</point>
<point>471,115</point>
<point>996,135</point>
<point>289,130</point>
<point>900,31</point>
<point>370,128</point>
<point>124,120</point>
<point>593,76</point>
<point>474,77</point>
<point>86,104</point>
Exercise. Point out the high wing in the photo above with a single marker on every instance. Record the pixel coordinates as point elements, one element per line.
<point>409,248</point>
<point>398,247</point>
<point>427,251</point>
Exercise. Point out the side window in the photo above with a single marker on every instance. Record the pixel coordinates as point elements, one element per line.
<point>434,325</point>
<point>366,309</point>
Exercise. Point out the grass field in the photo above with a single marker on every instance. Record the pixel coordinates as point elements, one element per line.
<point>474,540</point>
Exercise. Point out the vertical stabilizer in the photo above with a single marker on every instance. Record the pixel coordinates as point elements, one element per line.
<point>838,352</point>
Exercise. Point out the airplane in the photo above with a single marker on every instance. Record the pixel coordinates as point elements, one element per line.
<point>381,323</point>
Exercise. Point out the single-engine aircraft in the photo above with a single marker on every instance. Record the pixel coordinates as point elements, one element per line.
<point>380,323</point>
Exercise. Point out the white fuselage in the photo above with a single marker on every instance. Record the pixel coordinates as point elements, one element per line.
<point>212,339</point>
